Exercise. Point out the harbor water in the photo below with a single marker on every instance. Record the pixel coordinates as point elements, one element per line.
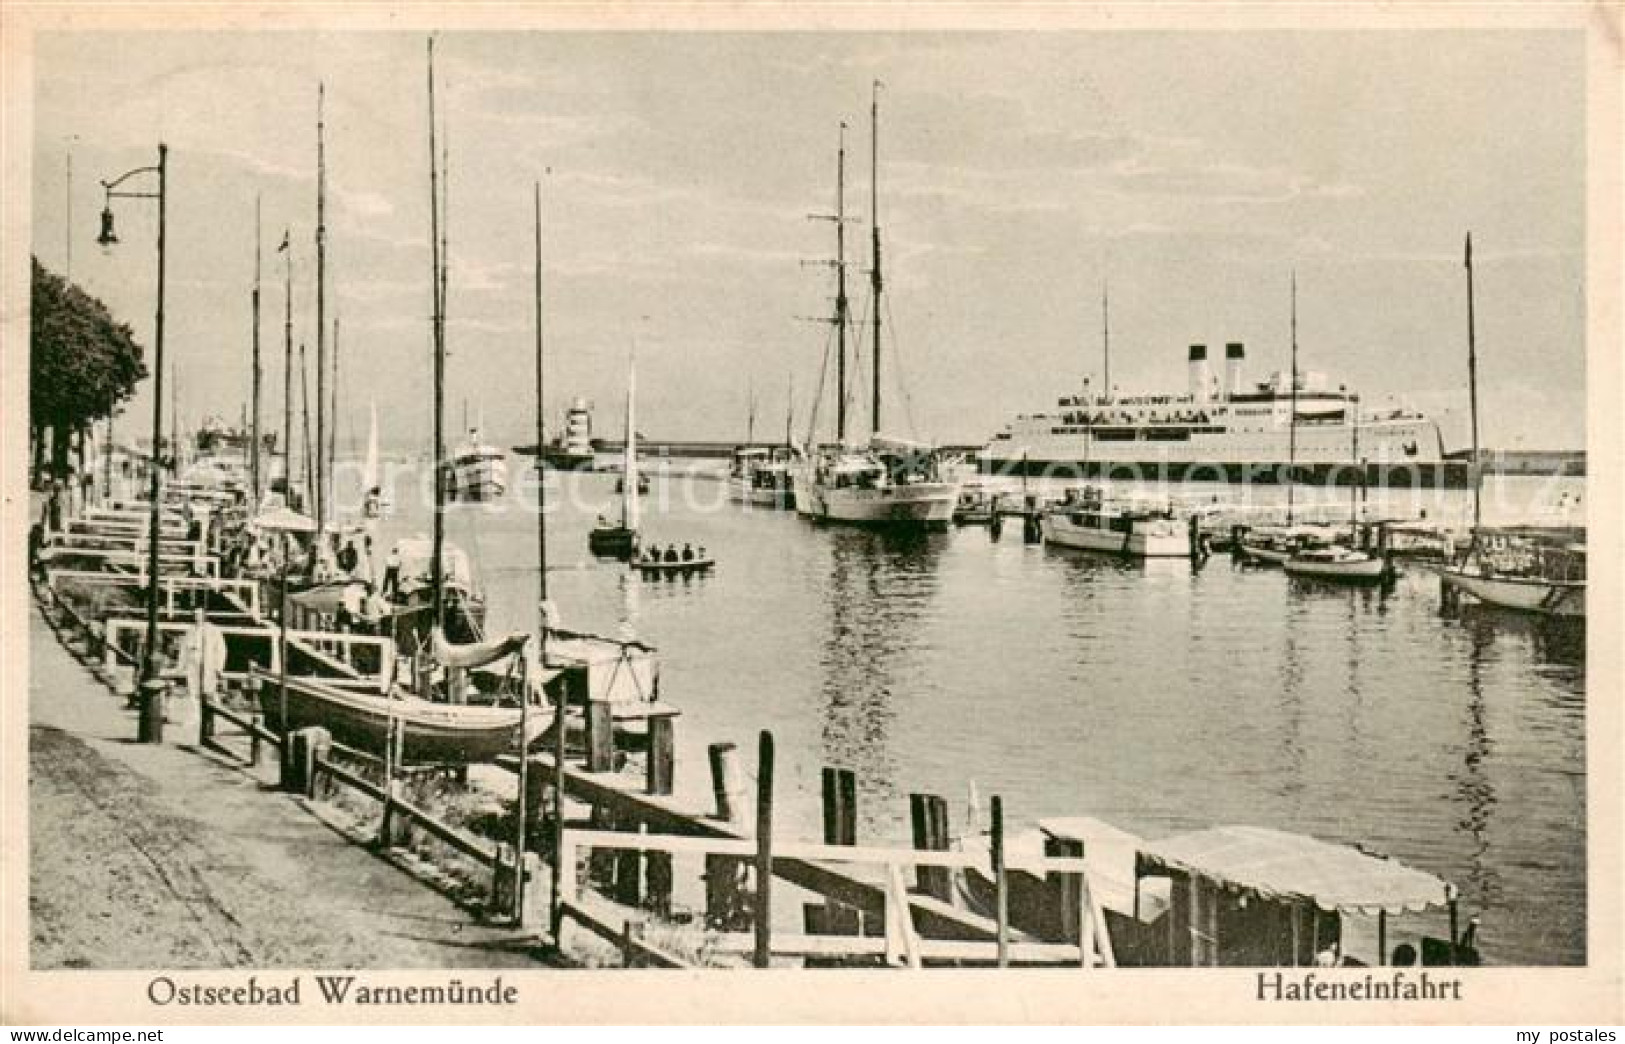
<point>1159,696</point>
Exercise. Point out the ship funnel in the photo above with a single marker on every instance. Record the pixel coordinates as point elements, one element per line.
<point>1234,354</point>
<point>1198,372</point>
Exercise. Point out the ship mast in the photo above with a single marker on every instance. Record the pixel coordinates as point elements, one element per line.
<point>841,303</point>
<point>1292,431</point>
<point>541,573</point>
<point>321,309</point>
<point>254,432</point>
<point>874,239</point>
<point>1472,392</point>
<point>437,336</point>
<point>1105,339</point>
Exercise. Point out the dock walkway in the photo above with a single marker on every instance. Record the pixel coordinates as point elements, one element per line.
<point>166,856</point>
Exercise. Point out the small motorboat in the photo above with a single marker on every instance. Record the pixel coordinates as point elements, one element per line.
<point>610,541</point>
<point>1340,564</point>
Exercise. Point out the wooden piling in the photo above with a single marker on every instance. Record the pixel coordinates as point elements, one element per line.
<point>205,724</point>
<point>631,938</point>
<point>840,806</point>
<point>764,851</point>
<point>928,817</point>
<point>1066,892</point>
<point>600,737</point>
<point>726,783</point>
<point>1002,884</point>
<point>662,755</point>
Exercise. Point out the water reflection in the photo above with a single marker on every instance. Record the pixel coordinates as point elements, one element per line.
<point>881,584</point>
<point>1474,788</point>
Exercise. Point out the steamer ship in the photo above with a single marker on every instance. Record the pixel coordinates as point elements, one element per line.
<point>1229,431</point>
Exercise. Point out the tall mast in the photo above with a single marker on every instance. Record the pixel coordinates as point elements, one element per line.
<point>1353,404</point>
<point>333,429</point>
<point>304,410</point>
<point>541,570</point>
<point>287,368</point>
<point>321,306</point>
<point>1472,392</point>
<point>1292,431</point>
<point>841,303</point>
<point>629,460</point>
<point>541,422</point>
<point>436,289</point>
<point>1105,340</point>
<point>789,407</point>
<point>874,238</point>
<point>750,417</point>
<point>254,429</point>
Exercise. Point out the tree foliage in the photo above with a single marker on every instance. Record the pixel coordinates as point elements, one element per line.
<point>83,362</point>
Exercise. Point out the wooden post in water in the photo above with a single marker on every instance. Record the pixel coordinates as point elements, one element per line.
<point>764,851</point>
<point>928,817</point>
<point>722,873</point>
<point>725,781</point>
<point>600,737</point>
<point>1002,883</point>
<point>1066,891</point>
<point>662,765</point>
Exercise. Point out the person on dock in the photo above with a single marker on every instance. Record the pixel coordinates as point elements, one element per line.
<point>671,553</point>
<point>349,558</point>
<point>688,552</point>
<point>392,573</point>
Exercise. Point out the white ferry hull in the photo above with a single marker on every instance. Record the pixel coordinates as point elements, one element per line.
<point>924,504</point>
<point>1170,541</point>
<point>1524,595</point>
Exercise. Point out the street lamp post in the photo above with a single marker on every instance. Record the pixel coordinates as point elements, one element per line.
<point>149,659</point>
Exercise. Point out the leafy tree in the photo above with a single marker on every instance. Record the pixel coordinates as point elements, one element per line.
<point>82,363</point>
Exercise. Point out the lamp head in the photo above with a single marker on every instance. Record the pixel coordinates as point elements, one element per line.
<point>108,237</point>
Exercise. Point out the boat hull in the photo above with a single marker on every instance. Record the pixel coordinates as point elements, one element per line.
<point>922,505</point>
<point>615,542</point>
<point>1401,474</point>
<point>1169,541</point>
<point>743,492</point>
<point>1525,595</point>
<point>1352,571</point>
<point>434,732</point>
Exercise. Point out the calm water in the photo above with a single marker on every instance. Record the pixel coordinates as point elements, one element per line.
<point>1157,697</point>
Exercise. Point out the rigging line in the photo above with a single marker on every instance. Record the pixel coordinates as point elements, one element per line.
<point>818,396</point>
<point>897,367</point>
<point>858,371</point>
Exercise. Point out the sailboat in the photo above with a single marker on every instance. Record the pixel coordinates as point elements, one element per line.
<point>890,482</point>
<point>1353,563</point>
<point>621,541</point>
<point>1273,545</point>
<point>1536,569</point>
<point>373,503</point>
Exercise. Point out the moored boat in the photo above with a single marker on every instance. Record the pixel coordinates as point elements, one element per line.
<point>610,540</point>
<point>761,476</point>
<point>1087,520</point>
<point>1335,562</point>
<point>1526,568</point>
<point>478,471</point>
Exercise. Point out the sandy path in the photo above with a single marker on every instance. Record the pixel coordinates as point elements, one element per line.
<point>148,857</point>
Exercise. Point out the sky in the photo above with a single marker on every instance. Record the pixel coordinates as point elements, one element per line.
<point>1019,173</point>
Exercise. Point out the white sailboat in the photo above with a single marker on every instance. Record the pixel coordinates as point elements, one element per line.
<point>890,482</point>
<point>373,503</point>
<point>1536,569</point>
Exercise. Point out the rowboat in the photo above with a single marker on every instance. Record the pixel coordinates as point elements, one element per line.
<point>433,732</point>
<point>650,567</point>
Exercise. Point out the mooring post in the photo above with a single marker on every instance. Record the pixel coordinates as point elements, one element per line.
<point>764,851</point>
<point>840,805</point>
<point>205,722</point>
<point>150,725</point>
<point>318,747</point>
<point>1066,891</point>
<point>631,937</point>
<point>600,737</point>
<point>726,781</point>
<point>258,721</point>
<point>662,754</point>
<point>1001,882</point>
<point>928,818</point>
